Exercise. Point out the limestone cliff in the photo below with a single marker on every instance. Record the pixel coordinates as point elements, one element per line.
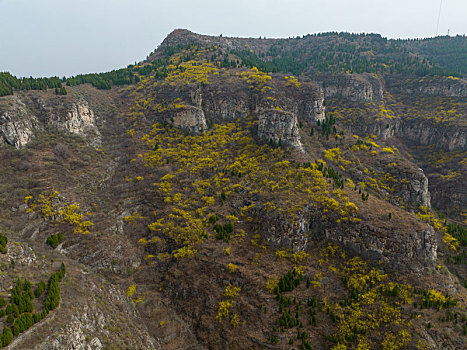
<point>442,136</point>
<point>69,114</point>
<point>403,185</point>
<point>356,87</point>
<point>430,86</point>
<point>415,191</point>
<point>223,104</point>
<point>190,118</point>
<point>394,244</point>
<point>17,124</point>
<point>386,244</point>
<point>279,126</point>
<point>306,101</point>
<point>224,99</point>
<point>30,112</point>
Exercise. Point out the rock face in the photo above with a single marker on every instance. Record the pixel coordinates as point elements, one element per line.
<point>190,119</point>
<point>312,110</point>
<point>355,87</point>
<point>382,243</point>
<point>17,125</point>
<point>420,132</point>
<point>79,119</point>
<point>306,101</point>
<point>431,86</point>
<point>223,101</point>
<point>223,105</point>
<point>72,115</point>
<point>16,132</point>
<point>279,126</point>
<point>445,137</point>
<point>416,192</point>
<point>279,232</point>
<point>386,244</point>
<point>29,113</point>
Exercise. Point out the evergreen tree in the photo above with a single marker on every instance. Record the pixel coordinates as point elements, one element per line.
<point>16,329</point>
<point>39,289</point>
<point>7,336</point>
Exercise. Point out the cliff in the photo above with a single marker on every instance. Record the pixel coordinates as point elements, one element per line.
<point>279,127</point>
<point>31,112</point>
<point>429,86</point>
<point>355,87</point>
<point>17,123</point>
<point>426,133</point>
<point>280,108</point>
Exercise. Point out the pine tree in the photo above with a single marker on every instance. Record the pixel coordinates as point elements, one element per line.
<point>7,336</point>
<point>16,329</point>
<point>39,289</point>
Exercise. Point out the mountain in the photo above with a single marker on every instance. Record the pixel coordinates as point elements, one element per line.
<point>239,193</point>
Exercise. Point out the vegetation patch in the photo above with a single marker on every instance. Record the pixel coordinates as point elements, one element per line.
<point>55,240</point>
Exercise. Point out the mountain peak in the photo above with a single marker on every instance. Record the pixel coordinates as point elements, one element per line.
<point>178,36</point>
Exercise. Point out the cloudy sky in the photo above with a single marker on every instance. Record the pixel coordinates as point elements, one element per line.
<point>66,37</point>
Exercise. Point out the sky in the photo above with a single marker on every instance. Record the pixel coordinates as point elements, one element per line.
<point>68,37</point>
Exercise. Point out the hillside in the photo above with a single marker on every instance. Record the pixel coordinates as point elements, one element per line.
<point>234,193</point>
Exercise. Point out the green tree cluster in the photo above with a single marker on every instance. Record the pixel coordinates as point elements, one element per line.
<point>55,240</point>
<point>53,295</point>
<point>60,91</point>
<point>20,310</point>
<point>223,231</point>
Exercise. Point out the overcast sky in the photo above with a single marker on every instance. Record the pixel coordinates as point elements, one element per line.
<point>66,37</point>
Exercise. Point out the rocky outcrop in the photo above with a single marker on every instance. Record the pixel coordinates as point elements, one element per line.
<point>393,245</point>
<point>280,232</point>
<point>355,87</point>
<point>16,132</point>
<point>397,249</point>
<point>411,186</point>
<point>226,109</point>
<point>384,129</point>
<point>185,37</point>
<point>416,192</point>
<point>305,101</point>
<point>223,105</point>
<point>447,137</point>
<point>312,110</point>
<point>73,115</point>
<point>17,124</point>
<point>279,126</point>
<point>79,119</point>
<point>430,86</point>
<point>190,119</point>
<point>28,113</point>
<point>87,328</point>
<point>226,99</point>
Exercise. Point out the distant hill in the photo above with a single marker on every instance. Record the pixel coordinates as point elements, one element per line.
<point>311,54</point>
<point>337,53</point>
